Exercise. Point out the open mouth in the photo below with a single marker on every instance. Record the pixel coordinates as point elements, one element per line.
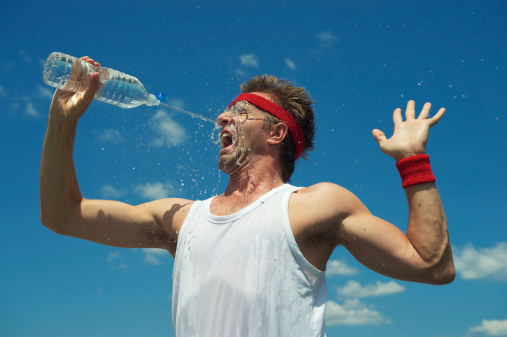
<point>226,138</point>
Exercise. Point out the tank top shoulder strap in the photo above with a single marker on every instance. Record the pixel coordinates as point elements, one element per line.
<point>311,271</point>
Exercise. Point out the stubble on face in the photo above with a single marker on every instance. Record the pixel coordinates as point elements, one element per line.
<point>247,142</point>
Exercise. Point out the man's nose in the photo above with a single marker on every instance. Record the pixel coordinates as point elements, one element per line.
<point>224,118</point>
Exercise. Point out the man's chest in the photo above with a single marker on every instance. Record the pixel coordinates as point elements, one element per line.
<point>222,205</point>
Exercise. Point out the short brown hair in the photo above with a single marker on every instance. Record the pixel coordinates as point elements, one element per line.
<point>297,102</point>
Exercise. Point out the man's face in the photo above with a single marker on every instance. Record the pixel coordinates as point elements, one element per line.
<point>243,136</point>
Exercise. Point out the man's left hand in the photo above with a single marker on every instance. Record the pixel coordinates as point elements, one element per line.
<point>410,136</point>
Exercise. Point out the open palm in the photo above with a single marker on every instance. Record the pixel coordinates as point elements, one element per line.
<point>410,136</point>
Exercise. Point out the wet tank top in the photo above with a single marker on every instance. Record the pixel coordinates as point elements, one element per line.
<point>243,274</point>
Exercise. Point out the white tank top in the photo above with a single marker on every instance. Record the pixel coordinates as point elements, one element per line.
<point>244,275</point>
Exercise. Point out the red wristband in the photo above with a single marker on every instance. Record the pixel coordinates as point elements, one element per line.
<point>415,170</point>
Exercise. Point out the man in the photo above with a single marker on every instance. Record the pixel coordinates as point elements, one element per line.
<point>251,262</point>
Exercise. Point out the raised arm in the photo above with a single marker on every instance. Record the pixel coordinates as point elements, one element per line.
<point>424,253</point>
<point>325,215</point>
<point>65,211</point>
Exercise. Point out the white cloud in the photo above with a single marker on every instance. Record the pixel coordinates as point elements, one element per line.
<point>45,92</point>
<point>8,67</point>
<point>42,62</point>
<point>113,256</point>
<point>3,92</point>
<point>239,72</point>
<point>24,56</point>
<point>153,191</point>
<point>249,60</point>
<point>110,135</point>
<point>170,133</point>
<point>480,263</point>
<point>155,251</point>
<point>108,191</point>
<point>355,289</point>
<point>289,63</point>
<point>177,102</point>
<point>353,312</point>
<point>30,110</point>
<point>14,106</point>
<point>491,328</point>
<point>335,267</point>
<point>326,39</point>
<point>150,255</point>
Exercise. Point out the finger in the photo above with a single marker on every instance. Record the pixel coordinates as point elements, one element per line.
<point>425,112</point>
<point>397,119</point>
<point>90,61</point>
<point>435,119</point>
<point>93,87</point>
<point>410,113</point>
<point>93,63</point>
<point>379,136</point>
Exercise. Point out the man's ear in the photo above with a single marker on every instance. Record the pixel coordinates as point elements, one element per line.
<point>278,133</point>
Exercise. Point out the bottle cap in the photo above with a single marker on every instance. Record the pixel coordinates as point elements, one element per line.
<point>160,96</point>
<point>152,100</point>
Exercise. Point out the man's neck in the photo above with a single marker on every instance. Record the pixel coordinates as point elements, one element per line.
<point>256,180</point>
<point>244,188</point>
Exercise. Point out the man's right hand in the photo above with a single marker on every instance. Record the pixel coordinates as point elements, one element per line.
<point>69,106</point>
<point>65,211</point>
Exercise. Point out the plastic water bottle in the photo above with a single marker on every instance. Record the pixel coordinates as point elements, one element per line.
<point>72,74</point>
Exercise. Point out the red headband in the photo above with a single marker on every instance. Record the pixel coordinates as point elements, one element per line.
<point>275,110</point>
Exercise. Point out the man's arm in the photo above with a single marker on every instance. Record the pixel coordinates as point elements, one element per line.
<point>65,211</point>
<point>424,254</point>
<point>339,217</point>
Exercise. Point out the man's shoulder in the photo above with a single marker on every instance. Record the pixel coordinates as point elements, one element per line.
<point>316,214</point>
<point>323,189</point>
<point>325,197</point>
<point>171,203</point>
<point>170,207</point>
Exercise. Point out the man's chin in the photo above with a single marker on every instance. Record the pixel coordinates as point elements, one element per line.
<point>228,163</point>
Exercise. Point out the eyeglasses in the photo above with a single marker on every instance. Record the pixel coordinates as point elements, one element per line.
<point>239,113</point>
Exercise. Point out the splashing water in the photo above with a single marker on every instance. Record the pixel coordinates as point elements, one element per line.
<point>194,115</point>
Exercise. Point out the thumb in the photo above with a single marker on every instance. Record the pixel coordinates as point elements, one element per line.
<point>91,90</point>
<point>379,136</point>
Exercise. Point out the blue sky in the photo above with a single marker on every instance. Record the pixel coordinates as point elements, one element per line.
<point>359,61</point>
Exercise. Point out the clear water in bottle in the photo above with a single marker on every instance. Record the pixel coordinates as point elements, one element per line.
<point>72,74</point>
